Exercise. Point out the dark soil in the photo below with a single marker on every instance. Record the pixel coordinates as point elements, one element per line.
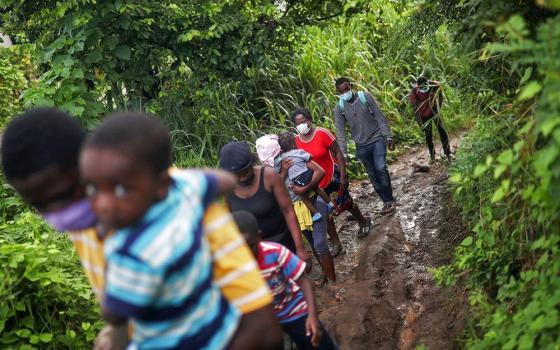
<point>390,300</point>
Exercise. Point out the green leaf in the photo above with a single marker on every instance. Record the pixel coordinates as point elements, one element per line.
<point>45,337</point>
<point>456,178</point>
<point>499,194</point>
<point>544,158</point>
<point>122,52</point>
<point>467,241</point>
<point>506,157</point>
<point>34,339</point>
<point>549,125</point>
<point>93,57</point>
<point>500,169</point>
<point>553,4</point>
<point>23,333</point>
<point>480,169</point>
<point>112,42</point>
<point>188,36</point>
<point>530,90</point>
<point>526,75</point>
<point>526,342</point>
<point>20,306</point>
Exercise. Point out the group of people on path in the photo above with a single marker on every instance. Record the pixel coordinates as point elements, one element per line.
<point>171,267</point>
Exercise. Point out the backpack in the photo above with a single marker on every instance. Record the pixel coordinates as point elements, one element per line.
<point>362,98</point>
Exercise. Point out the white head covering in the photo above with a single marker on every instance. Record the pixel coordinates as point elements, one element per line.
<point>267,149</point>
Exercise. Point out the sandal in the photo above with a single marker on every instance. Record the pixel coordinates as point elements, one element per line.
<point>364,230</point>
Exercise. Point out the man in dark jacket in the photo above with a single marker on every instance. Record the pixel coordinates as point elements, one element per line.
<point>426,99</point>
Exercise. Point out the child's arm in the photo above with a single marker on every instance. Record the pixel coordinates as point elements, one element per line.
<point>318,174</point>
<point>225,181</point>
<point>312,325</point>
<point>258,330</point>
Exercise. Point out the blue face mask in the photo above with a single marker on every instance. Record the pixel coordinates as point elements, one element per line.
<point>347,96</point>
<point>75,217</point>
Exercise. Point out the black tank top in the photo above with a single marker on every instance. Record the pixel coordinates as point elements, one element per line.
<point>264,206</point>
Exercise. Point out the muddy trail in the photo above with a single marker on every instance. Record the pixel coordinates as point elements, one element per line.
<point>389,299</point>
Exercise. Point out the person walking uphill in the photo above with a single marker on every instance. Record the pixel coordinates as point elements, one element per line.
<point>371,133</point>
<point>426,99</point>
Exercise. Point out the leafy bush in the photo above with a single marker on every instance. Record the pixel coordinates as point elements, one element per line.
<point>508,178</point>
<point>15,72</point>
<point>46,300</point>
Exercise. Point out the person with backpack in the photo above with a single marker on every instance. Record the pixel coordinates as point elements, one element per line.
<point>426,99</point>
<point>371,133</point>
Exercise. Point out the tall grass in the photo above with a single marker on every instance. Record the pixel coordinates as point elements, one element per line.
<point>202,121</point>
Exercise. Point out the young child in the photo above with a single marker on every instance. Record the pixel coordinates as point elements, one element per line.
<point>49,141</point>
<point>158,263</point>
<point>294,303</point>
<point>298,173</point>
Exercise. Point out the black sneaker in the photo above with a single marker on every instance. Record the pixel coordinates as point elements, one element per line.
<point>388,208</point>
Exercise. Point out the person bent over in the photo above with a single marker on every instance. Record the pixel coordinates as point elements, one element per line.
<point>426,98</point>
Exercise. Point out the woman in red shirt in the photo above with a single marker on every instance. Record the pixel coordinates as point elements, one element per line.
<point>324,149</point>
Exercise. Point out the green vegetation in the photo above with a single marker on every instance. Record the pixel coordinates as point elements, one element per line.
<point>507,180</point>
<point>222,70</point>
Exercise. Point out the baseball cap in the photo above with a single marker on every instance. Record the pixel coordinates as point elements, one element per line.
<point>236,156</point>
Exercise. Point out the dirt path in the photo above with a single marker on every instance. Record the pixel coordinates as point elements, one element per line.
<point>390,300</point>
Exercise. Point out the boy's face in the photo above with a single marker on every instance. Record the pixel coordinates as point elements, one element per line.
<point>51,189</point>
<point>120,189</point>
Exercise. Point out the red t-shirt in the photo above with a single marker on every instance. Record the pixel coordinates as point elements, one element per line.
<point>318,147</point>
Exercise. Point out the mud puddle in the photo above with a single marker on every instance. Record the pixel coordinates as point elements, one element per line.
<point>390,300</point>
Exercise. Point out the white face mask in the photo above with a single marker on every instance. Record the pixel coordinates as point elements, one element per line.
<point>303,128</point>
<point>347,96</point>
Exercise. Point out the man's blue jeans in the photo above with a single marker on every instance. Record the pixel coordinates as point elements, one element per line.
<point>374,159</point>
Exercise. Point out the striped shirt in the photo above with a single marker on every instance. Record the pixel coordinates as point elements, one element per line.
<point>281,268</point>
<point>159,273</point>
<point>240,284</point>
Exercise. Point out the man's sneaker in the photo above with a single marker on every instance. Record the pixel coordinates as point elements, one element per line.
<point>388,208</point>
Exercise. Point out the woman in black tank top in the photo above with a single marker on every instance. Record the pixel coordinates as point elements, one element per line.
<point>262,192</point>
<point>265,208</point>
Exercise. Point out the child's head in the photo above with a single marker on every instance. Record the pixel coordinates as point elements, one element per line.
<point>249,228</point>
<point>287,141</point>
<point>124,165</point>
<point>40,150</point>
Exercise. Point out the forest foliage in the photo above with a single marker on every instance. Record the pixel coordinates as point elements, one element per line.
<point>221,70</point>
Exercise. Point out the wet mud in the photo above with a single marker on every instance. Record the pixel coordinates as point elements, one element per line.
<point>389,298</point>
